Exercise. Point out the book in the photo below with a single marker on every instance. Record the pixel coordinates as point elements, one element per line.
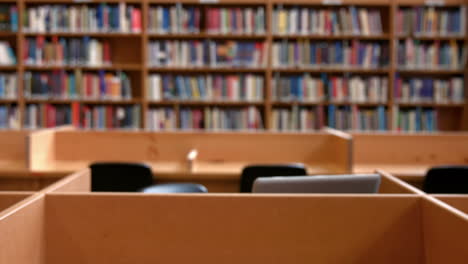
<point>8,86</point>
<point>9,117</point>
<point>7,55</point>
<point>297,118</point>
<point>158,119</point>
<point>415,119</point>
<point>47,115</point>
<point>8,17</point>
<point>106,117</point>
<point>429,90</point>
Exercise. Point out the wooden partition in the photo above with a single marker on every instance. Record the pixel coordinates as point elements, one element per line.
<point>8,199</point>
<point>232,229</point>
<point>13,152</point>
<point>218,156</point>
<point>457,201</point>
<point>408,156</point>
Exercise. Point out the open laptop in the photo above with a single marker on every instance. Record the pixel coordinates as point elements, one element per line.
<point>355,183</point>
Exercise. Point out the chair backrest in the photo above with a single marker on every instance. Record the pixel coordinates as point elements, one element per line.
<point>120,176</point>
<point>175,188</point>
<point>447,179</point>
<point>252,172</point>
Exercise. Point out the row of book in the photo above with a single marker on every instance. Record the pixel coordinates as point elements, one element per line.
<point>241,87</point>
<point>431,21</point>
<point>158,119</point>
<point>415,119</point>
<point>248,118</point>
<point>67,51</point>
<point>313,21</point>
<point>8,86</point>
<point>430,90</point>
<point>178,19</point>
<point>335,88</point>
<point>101,17</point>
<point>297,119</point>
<point>175,53</point>
<point>77,85</point>
<point>9,117</point>
<point>355,118</point>
<point>87,116</point>
<point>337,54</point>
<point>7,55</point>
<point>8,17</point>
<point>431,55</point>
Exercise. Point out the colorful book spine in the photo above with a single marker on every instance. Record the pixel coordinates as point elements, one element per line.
<point>174,53</point>
<point>429,90</point>
<point>175,19</point>
<point>7,54</point>
<point>435,55</point>
<point>307,54</point>
<point>215,118</point>
<point>235,20</point>
<point>431,21</point>
<point>297,118</point>
<point>357,89</point>
<point>302,88</point>
<point>8,17</point>
<point>415,119</point>
<point>103,18</point>
<point>9,117</point>
<point>8,86</point>
<point>238,87</point>
<point>158,119</point>
<point>319,21</point>
<point>357,118</point>
<point>61,84</point>
<point>102,117</point>
<point>47,115</point>
<point>67,51</point>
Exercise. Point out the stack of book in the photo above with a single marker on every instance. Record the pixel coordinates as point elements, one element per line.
<point>358,89</point>
<point>62,51</point>
<point>8,17</point>
<point>415,54</point>
<point>7,55</point>
<point>8,86</point>
<point>175,19</point>
<point>298,88</point>
<point>235,20</point>
<point>354,53</point>
<point>239,87</point>
<point>160,119</point>
<point>297,118</point>
<point>215,118</point>
<point>356,118</point>
<point>9,117</point>
<point>431,21</point>
<point>110,117</point>
<point>430,90</point>
<point>415,119</point>
<point>47,115</point>
<point>77,85</point>
<point>206,53</point>
<point>312,21</point>
<point>104,18</point>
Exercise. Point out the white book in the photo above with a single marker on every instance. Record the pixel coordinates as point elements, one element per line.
<point>123,22</point>
<point>173,19</point>
<point>293,21</point>
<point>304,21</point>
<point>159,20</point>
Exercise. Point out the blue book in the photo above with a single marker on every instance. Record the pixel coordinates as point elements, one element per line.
<point>418,119</point>
<point>102,83</point>
<point>201,86</point>
<point>331,116</point>
<point>72,87</point>
<point>100,16</point>
<point>86,51</point>
<point>166,19</point>
<point>2,86</point>
<point>313,59</point>
<point>193,52</point>
<point>354,19</point>
<point>382,117</point>
<point>188,88</point>
<point>338,53</point>
<point>14,19</point>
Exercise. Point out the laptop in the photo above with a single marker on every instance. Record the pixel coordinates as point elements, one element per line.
<point>355,183</point>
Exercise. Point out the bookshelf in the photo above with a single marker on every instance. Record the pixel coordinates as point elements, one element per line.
<point>204,48</point>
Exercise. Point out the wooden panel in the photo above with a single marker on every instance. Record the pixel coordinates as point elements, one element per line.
<point>13,150</point>
<point>22,232</point>
<point>42,149</point>
<point>391,184</point>
<point>460,202</point>
<point>77,182</point>
<point>30,183</point>
<point>445,233</point>
<point>8,199</point>
<point>232,229</point>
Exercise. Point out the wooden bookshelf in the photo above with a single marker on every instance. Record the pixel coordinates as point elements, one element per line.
<point>130,55</point>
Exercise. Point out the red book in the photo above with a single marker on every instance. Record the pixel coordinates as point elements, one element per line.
<point>197,18</point>
<point>55,44</point>
<point>354,50</point>
<point>109,117</point>
<point>75,107</point>
<point>136,20</point>
<point>209,19</point>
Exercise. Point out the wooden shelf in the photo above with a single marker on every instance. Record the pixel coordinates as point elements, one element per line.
<point>8,67</point>
<point>208,69</point>
<point>8,101</point>
<point>128,67</point>
<point>81,34</point>
<point>429,71</point>
<point>431,104</point>
<point>331,37</point>
<point>206,103</point>
<point>207,36</point>
<point>332,70</point>
<point>5,34</point>
<point>433,38</point>
<point>299,103</point>
<point>84,101</point>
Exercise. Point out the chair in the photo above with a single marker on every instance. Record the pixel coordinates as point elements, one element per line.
<point>447,179</point>
<point>252,172</point>
<point>133,177</point>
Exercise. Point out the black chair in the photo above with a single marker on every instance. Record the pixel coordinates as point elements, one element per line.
<point>133,177</point>
<point>447,179</point>
<point>252,172</point>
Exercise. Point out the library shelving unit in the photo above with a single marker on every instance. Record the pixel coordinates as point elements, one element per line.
<point>212,65</point>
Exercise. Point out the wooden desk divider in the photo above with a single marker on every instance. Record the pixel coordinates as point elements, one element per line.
<point>8,198</point>
<point>13,152</point>
<point>220,159</point>
<point>408,156</point>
